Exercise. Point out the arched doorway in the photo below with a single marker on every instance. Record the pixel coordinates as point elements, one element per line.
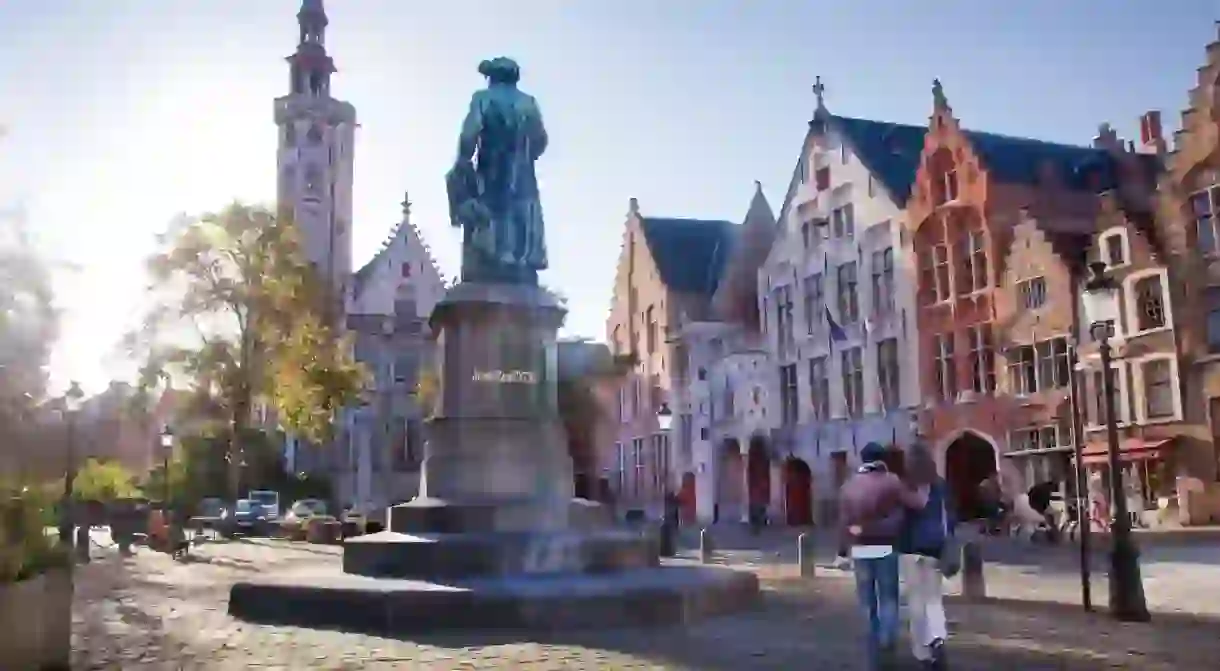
<point>758,472</point>
<point>798,492</point>
<point>969,460</point>
<point>730,483</point>
<point>686,497</point>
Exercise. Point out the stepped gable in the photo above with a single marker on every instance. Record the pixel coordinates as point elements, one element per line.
<point>690,254</point>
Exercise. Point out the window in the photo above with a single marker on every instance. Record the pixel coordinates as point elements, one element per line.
<point>806,234</point>
<point>1096,401</point>
<point>819,389</point>
<point>946,379</point>
<point>622,405</point>
<point>815,302</point>
<point>887,373</point>
<point>1113,248</point>
<point>702,373</point>
<point>883,281</point>
<point>1034,438</point>
<point>703,433</point>
<point>936,274</point>
<point>1032,293</point>
<point>650,323</point>
<point>982,359</point>
<point>849,305</point>
<point>1205,205</point>
<point>872,187</point>
<point>821,179</point>
<point>843,153</point>
<point>637,460</point>
<point>1150,303</point>
<point>1038,367</point>
<point>853,381</point>
<point>843,222</point>
<point>784,331</point>
<point>788,394</point>
<point>973,257</point>
<point>948,187</point>
<point>404,368</point>
<point>1158,389</point>
<point>1212,297</point>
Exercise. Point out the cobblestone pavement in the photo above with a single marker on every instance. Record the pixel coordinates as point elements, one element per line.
<point>1178,578</point>
<point>148,612</point>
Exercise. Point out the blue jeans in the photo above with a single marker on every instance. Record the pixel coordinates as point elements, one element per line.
<point>877,589</point>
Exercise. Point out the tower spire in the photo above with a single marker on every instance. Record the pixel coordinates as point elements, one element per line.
<point>310,66</point>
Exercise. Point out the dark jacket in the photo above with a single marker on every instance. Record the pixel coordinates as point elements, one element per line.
<point>925,528</point>
<point>876,501</point>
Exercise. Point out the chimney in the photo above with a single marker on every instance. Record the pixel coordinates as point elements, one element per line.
<point>633,207</point>
<point>1152,136</point>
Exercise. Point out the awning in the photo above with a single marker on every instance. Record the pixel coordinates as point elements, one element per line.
<point>1097,452</point>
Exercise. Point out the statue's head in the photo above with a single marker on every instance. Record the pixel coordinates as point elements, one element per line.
<point>500,70</point>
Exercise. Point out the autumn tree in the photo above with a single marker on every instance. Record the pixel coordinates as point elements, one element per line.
<point>586,371</point>
<point>243,320</point>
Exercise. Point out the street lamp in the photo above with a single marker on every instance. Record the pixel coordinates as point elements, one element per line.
<point>71,403</point>
<point>167,447</point>
<point>665,422</point>
<point>1100,302</point>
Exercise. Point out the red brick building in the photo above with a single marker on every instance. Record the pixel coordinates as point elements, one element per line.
<point>1000,227</point>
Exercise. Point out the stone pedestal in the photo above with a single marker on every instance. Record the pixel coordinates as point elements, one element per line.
<point>495,537</point>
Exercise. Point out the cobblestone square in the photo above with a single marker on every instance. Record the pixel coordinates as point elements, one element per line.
<point>148,612</point>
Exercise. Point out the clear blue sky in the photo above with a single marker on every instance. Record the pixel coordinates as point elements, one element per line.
<point>125,112</point>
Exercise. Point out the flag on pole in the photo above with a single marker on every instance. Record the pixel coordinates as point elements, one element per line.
<point>834,332</point>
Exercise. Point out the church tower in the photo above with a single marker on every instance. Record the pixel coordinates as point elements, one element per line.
<point>316,149</point>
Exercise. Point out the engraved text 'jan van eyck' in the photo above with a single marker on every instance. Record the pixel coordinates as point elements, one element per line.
<point>505,376</point>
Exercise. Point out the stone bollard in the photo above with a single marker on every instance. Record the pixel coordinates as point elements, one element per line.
<point>705,546</point>
<point>804,555</point>
<point>974,585</point>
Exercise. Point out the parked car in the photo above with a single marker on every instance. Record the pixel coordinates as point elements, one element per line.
<point>248,517</point>
<point>269,500</point>
<point>354,522</point>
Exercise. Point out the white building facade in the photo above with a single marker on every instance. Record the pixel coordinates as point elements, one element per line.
<point>837,298</point>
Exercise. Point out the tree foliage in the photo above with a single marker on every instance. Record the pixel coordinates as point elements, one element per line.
<point>243,320</point>
<point>99,480</point>
<point>28,320</point>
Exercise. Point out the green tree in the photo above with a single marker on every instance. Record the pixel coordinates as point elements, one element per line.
<point>99,480</point>
<point>242,319</point>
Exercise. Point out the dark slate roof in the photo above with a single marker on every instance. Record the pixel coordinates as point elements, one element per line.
<point>1019,160</point>
<point>890,151</point>
<point>366,271</point>
<point>690,254</point>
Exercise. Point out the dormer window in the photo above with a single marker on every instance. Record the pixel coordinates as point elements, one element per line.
<point>950,186</point>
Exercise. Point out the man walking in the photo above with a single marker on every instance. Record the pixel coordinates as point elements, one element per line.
<point>872,507</point>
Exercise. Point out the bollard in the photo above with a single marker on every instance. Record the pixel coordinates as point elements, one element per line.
<point>82,544</point>
<point>974,585</point>
<point>705,546</point>
<point>668,540</point>
<point>804,555</point>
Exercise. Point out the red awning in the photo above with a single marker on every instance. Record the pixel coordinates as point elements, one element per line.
<point>1129,449</point>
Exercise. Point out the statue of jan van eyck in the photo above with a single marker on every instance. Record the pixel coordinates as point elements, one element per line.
<point>493,189</point>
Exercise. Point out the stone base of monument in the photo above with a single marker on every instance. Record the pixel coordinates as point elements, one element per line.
<point>495,539</point>
<point>674,594</point>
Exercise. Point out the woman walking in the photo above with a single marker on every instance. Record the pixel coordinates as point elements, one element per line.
<point>928,548</point>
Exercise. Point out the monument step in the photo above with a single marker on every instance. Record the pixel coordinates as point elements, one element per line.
<point>644,597</point>
<point>391,554</point>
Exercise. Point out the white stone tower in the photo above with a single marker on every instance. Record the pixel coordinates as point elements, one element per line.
<point>316,151</point>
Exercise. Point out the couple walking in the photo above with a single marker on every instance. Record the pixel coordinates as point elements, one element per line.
<point>885,517</point>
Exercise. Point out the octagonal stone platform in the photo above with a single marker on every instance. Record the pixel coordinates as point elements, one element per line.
<point>673,594</point>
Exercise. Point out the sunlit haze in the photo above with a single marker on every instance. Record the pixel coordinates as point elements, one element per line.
<point>122,113</point>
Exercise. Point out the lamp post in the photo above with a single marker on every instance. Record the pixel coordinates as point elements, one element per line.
<point>72,403</point>
<point>1100,302</point>
<point>665,422</point>
<point>167,446</point>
